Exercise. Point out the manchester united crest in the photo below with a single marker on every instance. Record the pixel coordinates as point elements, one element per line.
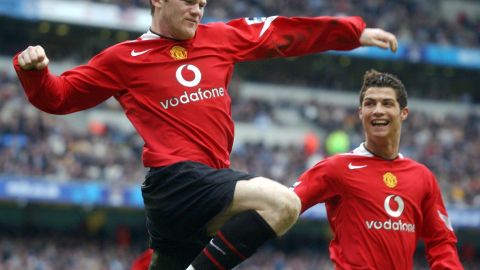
<point>390,180</point>
<point>178,53</point>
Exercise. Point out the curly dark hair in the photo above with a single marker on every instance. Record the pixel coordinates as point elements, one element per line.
<point>373,78</point>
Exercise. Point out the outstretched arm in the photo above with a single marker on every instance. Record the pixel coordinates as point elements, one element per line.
<point>379,38</point>
<point>279,36</point>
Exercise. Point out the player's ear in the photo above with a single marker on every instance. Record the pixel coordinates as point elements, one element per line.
<point>360,113</point>
<point>404,113</point>
<point>156,3</point>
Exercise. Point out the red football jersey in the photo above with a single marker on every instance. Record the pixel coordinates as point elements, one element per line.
<point>175,93</point>
<point>378,209</point>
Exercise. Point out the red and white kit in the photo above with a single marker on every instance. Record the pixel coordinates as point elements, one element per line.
<point>378,209</point>
<point>175,92</point>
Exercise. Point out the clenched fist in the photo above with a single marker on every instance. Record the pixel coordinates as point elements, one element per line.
<point>33,57</point>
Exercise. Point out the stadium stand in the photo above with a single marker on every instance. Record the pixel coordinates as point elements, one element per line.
<point>428,21</point>
<point>94,147</point>
<point>48,251</point>
<point>31,252</point>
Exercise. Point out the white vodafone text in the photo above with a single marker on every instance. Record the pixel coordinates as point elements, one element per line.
<point>199,95</point>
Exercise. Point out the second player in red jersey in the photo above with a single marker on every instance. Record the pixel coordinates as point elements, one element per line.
<point>380,203</point>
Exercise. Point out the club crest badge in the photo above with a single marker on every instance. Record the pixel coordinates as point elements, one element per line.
<point>178,53</point>
<point>390,180</point>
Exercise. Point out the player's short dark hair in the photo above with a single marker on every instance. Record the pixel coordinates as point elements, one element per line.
<point>152,8</point>
<point>373,78</point>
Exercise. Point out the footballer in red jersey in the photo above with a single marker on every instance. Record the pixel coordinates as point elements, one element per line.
<point>172,83</point>
<point>380,203</point>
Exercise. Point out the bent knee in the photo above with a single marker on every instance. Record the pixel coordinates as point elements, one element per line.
<point>274,201</point>
<point>278,198</point>
<point>288,205</point>
<point>280,206</point>
<point>284,212</point>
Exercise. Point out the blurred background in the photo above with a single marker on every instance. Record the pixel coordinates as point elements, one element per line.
<point>69,185</point>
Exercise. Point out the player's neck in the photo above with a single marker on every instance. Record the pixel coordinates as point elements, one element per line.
<point>161,35</point>
<point>156,28</point>
<point>385,150</point>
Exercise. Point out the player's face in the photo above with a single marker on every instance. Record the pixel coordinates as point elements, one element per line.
<point>381,114</point>
<point>179,19</point>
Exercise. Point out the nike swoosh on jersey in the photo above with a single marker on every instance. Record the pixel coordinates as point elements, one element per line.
<point>134,53</point>
<point>354,167</point>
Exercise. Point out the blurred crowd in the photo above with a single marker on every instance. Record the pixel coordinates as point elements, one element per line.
<point>38,144</point>
<point>44,251</point>
<point>58,252</point>
<point>34,143</point>
<point>425,22</point>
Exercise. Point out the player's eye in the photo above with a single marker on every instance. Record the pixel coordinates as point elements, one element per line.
<point>388,103</point>
<point>368,103</point>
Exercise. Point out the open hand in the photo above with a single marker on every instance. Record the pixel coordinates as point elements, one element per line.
<point>379,38</point>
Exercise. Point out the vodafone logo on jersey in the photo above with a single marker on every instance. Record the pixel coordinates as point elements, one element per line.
<point>194,77</point>
<point>394,212</point>
<point>389,210</point>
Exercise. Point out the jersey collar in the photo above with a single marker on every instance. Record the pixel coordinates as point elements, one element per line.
<point>362,151</point>
<point>149,35</point>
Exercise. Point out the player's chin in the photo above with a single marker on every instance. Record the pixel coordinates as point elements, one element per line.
<point>188,33</point>
<point>378,132</point>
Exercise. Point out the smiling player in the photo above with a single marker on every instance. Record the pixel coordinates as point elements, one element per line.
<point>380,203</point>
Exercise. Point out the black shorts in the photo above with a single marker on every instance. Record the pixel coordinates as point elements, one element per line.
<point>181,199</point>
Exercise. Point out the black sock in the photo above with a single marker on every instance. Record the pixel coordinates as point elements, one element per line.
<point>237,239</point>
